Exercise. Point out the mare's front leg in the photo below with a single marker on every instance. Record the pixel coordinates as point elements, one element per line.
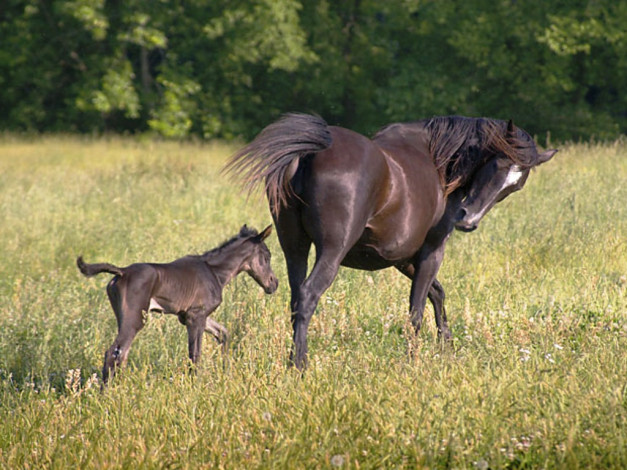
<point>426,265</point>
<point>426,268</point>
<point>436,296</point>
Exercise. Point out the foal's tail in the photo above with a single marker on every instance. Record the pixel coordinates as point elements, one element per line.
<point>90,270</point>
<point>275,152</point>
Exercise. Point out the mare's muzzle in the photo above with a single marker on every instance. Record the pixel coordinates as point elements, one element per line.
<point>461,222</point>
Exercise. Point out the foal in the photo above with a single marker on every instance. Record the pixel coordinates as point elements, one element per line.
<point>189,287</point>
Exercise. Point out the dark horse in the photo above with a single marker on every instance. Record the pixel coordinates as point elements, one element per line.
<point>189,287</point>
<point>392,200</point>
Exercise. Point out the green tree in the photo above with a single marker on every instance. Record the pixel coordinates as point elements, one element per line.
<point>227,68</point>
<point>42,64</point>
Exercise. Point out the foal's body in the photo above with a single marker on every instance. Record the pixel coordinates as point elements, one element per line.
<point>189,287</point>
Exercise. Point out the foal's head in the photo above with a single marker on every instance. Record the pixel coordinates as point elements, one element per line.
<point>257,260</point>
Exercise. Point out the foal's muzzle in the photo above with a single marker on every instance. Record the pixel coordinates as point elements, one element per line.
<point>272,286</point>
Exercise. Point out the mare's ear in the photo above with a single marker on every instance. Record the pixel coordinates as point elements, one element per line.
<point>546,156</point>
<point>511,130</point>
<point>264,234</point>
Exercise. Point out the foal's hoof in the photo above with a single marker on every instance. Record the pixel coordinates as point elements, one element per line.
<point>445,337</point>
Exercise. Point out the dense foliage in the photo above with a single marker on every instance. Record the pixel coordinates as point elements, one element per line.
<point>227,68</point>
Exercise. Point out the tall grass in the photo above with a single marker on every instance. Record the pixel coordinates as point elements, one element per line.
<point>537,300</point>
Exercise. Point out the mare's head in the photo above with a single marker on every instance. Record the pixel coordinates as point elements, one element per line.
<point>257,260</point>
<point>489,160</point>
<point>503,174</point>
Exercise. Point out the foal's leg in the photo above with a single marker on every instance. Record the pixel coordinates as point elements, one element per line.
<point>196,323</point>
<point>218,331</point>
<point>128,313</point>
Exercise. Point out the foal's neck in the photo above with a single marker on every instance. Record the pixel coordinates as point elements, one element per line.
<point>225,264</point>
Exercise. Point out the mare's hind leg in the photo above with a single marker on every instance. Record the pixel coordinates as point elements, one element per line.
<point>130,321</point>
<point>333,239</point>
<point>436,296</point>
<point>295,244</point>
<point>322,275</point>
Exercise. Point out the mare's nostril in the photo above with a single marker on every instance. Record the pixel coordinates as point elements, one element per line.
<point>461,214</point>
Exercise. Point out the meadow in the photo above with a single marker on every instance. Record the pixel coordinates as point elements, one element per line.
<point>536,298</point>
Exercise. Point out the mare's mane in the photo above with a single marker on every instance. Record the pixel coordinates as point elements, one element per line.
<point>459,145</point>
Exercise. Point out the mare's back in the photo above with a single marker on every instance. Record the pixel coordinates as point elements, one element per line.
<point>405,142</point>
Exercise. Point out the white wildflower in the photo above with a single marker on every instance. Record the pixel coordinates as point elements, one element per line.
<point>526,354</point>
<point>482,465</point>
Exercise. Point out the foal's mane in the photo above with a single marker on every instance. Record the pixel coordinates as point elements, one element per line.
<point>245,232</point>
<point>459,145</point>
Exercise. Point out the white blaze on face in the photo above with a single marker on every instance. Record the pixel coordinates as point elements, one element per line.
<point>513,177</point>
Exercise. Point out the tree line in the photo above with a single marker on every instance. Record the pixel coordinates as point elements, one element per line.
<point>226,68</point>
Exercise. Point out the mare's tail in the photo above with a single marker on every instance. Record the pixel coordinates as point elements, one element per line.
<point>90,270</point>
<point>275,152</point>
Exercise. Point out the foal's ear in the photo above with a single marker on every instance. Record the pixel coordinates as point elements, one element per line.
<point>264,234</point>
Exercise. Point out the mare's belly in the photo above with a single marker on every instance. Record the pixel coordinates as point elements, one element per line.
<point>367,258</point>
<point>372,253</point>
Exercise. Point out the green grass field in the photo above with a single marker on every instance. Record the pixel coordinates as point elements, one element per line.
<point>537,301</point>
